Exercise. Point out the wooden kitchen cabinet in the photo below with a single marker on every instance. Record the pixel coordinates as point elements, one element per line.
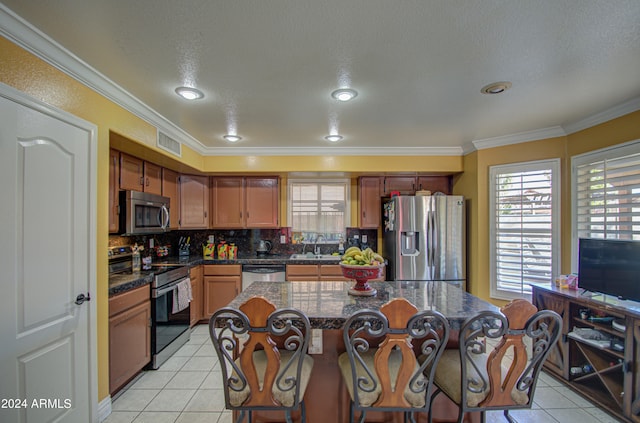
<point>261,202</point>
<point>434,184</point>
<point>406,185</point>
<point>222,283</point>
<point>302,272</point>
<point>370,201</point>
<point>171,189</point>
<point>317,272</point>
<point>197,289</point>
<point>131,173</point>
<point>330,272</point>
<point>194,202</point>
<point>129,335</point>
<point>227,202</point>
<point>138,175</point>
<point>114,189</point>
<point>152,176</point>
<point>244,202</point>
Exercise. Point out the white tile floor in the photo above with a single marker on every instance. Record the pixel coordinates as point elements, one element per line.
<point>187,389</point>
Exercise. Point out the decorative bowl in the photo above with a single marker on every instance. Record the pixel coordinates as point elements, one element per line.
<point>362,274</point>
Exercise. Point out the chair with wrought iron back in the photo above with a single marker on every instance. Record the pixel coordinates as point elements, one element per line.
<point>499,358</point>
<point>263,357</point>
<point>381,368</point>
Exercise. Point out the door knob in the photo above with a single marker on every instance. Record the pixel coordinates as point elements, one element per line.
<point>82,298</point>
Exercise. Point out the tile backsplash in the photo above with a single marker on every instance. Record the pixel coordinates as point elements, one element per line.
<point>246,240</point>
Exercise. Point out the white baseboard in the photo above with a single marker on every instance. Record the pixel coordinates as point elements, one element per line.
<point>104,409</point>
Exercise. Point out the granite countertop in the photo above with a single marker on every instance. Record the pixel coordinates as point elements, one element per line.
<point>123,282</point>
<point>328,303</point>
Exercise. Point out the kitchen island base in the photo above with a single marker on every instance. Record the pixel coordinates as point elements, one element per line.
<point>328,305</point>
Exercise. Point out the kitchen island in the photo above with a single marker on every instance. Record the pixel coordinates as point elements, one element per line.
<point>328,305</point>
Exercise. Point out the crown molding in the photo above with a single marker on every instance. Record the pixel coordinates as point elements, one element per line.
<point>36,42</point>
<point>625,108</point>
<point>30,38</point>
<point>334,151</point>
<point>520,137</point>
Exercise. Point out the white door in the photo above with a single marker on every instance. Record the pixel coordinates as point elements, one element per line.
<point>47,258</point>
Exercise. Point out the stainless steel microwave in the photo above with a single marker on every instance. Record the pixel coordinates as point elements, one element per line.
<point>143,213</point>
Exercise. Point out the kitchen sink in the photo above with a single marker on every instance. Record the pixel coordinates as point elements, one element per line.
<point>311,256</point>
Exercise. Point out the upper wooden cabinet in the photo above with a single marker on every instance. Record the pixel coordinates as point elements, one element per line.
<point>138,175</point>
<point>131,173</point>
<point>434,184</point>
<point>152,178</point>
<point>373,188</point>
<point>194,202</point>
<point>406,185</point>
<point>370,201</point>
<point>244,202</point>
<point>171,189</point>
<point>114,188</point>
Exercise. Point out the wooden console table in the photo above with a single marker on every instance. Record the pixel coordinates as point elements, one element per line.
<point>604,372</point>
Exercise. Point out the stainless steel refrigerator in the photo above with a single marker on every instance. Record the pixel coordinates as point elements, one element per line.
<point>424,238</point>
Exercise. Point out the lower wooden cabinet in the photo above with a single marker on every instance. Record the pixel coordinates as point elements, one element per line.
<point>317,272</point>
<point>222,283</point>
<point>129,335</point>
<point>196,291</point>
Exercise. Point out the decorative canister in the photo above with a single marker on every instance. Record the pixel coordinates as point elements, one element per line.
<point>222,250</point>
<point>232,251</point>
<point>208,251</point>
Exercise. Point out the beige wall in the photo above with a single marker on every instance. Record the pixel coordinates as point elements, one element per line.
<point>473,184</point>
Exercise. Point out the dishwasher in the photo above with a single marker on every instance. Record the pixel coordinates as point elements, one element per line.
<point>262,272</point>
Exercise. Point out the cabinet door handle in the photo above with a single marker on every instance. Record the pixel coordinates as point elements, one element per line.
<point>142,180</point>
<point>364,213</point>
<point>147,182</point>
<point>247,215</point>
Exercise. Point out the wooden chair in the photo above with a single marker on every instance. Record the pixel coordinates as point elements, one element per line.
<point>478,377</point>
<point>263,357</point>
<point>380,366</point>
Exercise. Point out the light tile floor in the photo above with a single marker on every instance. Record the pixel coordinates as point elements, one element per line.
<point>187,389</point>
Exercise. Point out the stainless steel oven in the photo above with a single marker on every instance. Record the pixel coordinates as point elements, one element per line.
<point>169,329</point>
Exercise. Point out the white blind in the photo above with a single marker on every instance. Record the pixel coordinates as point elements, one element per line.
<point>607,196</point>
<point>319,208</point>
<point>524,210</point>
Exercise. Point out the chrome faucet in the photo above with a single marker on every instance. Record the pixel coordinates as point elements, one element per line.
<point>316,247</point>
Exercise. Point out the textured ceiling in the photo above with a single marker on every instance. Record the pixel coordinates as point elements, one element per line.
<point>267,68</point>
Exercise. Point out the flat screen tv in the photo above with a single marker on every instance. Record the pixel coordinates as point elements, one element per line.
<point>610,267</point>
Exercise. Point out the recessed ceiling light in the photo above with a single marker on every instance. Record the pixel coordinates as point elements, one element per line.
<point>189,93</point>
<point>232,138</point>
<point>333,138</point>
<point>496,88</point>
<point>344,94</point>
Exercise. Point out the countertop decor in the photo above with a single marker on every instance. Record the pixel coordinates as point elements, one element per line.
<point>362,275</point>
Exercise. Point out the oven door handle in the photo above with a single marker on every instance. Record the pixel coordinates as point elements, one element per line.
<point>155,293</point>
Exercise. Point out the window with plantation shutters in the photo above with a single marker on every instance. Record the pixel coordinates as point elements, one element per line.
<point>524,213</point>
<point>606,194</point>
<point>319,208</point>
